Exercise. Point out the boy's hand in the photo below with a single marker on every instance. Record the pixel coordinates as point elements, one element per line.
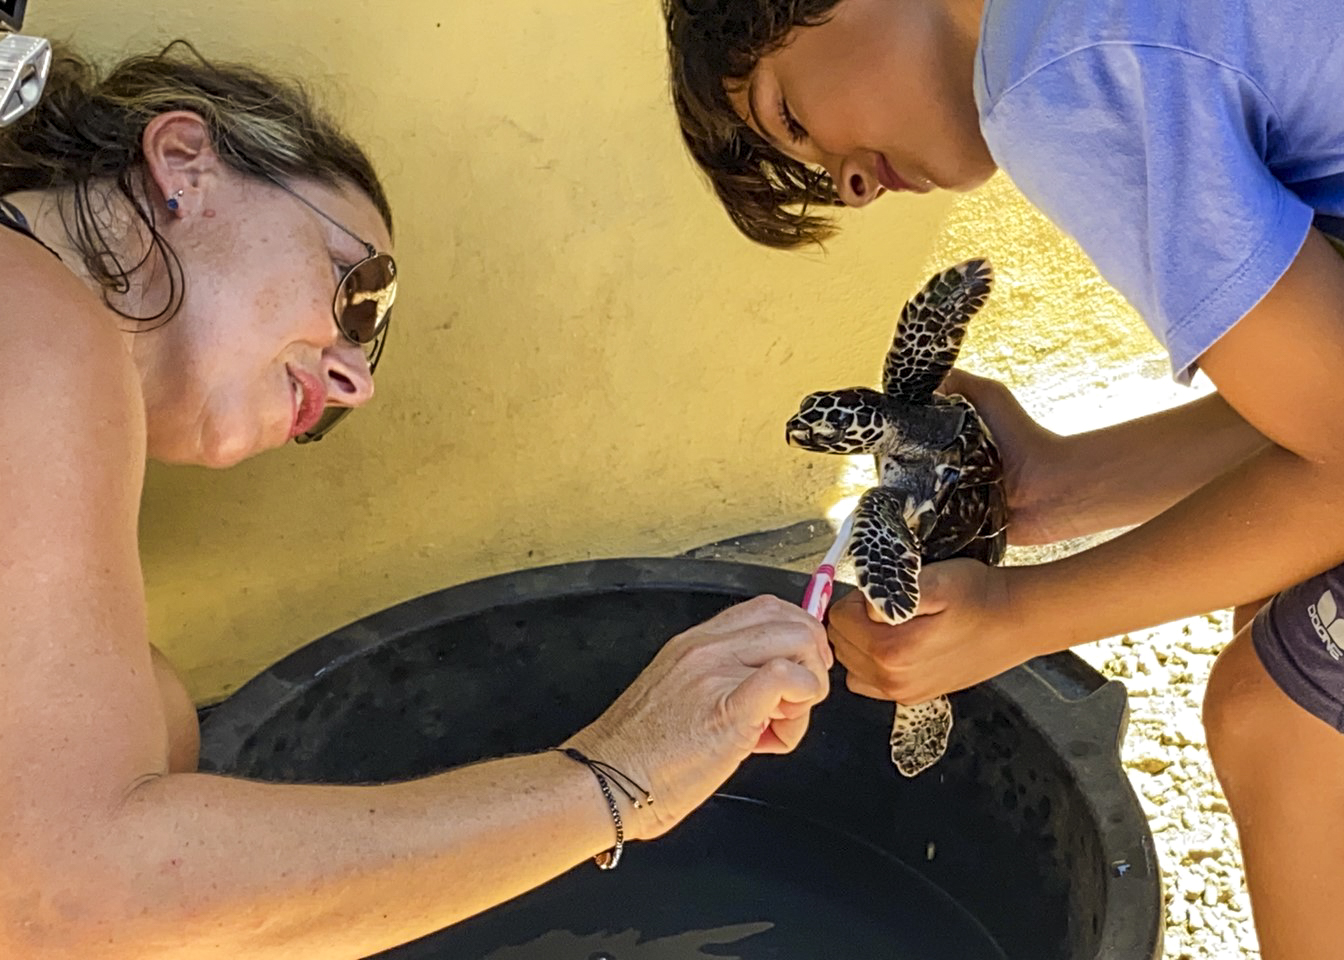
<point>1032,458</point>
<point>965,630</point>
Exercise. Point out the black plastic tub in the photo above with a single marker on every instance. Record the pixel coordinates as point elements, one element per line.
<point>1025,842</point>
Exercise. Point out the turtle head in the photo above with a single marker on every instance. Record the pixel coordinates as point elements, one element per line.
<point>839,421</point>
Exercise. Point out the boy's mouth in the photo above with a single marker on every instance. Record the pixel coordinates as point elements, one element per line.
<point>893,181</point>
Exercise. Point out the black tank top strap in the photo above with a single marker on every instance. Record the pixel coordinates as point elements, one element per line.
<point>12,218</point>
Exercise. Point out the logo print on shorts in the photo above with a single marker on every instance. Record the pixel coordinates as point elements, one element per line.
<point>1329,627</point>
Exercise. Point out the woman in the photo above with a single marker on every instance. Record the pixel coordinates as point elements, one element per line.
<point>175,233</point>
<point>1196,152</point>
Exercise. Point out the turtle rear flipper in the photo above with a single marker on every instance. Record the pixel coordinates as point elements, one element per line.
<point>966,528</point>
<point>919,735</point>
<point>976,452</point>
<point>987,504</point>
<point>885,555</point>
<point>994,533</point>
<point>932,325</point>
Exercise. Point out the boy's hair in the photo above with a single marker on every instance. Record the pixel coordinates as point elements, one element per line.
<point>714,44</point>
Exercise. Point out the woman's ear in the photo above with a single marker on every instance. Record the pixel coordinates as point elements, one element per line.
<point>180,159</point>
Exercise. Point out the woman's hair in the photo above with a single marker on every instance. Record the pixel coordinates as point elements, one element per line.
<point>714,45</point>
<point>87,129</point>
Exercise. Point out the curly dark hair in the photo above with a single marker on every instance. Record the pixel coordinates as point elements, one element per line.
<point>87,130</point>
<point>711,45</point>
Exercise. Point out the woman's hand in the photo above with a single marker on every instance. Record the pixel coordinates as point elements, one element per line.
<point>1033,459</point>
<point>744,682</point>
<point>965,630</point>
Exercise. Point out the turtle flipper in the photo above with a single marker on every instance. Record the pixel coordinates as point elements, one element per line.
<point>993,536</point>
<point>919,735</point>
<point>932,325</point>
<point>885,555</point>
<point>886,561</point>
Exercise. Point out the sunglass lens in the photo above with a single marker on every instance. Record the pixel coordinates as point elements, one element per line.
<point>365,297</point>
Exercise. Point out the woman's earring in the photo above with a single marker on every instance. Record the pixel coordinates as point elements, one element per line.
<point>172,201</point>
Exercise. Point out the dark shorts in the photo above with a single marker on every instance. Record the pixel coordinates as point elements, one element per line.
<point>1299,636</point>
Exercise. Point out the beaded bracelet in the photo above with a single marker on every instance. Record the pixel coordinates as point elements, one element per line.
<point>608,859</point>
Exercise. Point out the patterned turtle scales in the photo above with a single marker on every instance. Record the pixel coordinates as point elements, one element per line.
<point>940,480</point>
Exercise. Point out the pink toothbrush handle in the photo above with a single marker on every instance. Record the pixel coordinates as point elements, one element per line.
<point>818,595</point>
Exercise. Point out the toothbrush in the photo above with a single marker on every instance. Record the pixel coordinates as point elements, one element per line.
<point>818,595</point>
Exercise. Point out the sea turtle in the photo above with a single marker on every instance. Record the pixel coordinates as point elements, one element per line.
<point>940,480</point>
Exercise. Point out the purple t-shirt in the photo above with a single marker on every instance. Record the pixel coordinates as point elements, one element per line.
<point>1187,146</point>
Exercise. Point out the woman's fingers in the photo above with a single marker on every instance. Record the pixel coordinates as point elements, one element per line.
<point>751,705</point>
<point>758,610</point>
<point>767,612</point>
<point>756,646</point>
<point>788,733</point>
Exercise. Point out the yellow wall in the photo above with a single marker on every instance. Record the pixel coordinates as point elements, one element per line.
<point>587,360</point>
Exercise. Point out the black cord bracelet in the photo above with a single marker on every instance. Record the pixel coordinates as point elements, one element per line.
<point>607,860</point>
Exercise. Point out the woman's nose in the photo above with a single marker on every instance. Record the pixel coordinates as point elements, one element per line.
<point>346,374</point>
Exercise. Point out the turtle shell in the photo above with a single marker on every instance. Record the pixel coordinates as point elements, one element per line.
<point>974,519</point>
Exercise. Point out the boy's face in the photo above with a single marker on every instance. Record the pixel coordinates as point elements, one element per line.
<point>880,96</point>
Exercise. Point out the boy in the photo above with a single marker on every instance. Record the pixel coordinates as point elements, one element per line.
<point>1195,151</point>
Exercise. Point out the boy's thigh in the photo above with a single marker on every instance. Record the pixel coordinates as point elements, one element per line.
<point>1244,613</point>
<point>1298,637</point>
<point>1282,769</point>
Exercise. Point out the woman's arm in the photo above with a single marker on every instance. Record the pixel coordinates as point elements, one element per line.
<point>191,865</point>
<point>110,856</point>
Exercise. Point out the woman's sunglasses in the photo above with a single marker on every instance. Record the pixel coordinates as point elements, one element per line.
<point>362,307</point>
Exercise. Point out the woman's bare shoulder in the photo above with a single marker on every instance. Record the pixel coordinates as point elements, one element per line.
<point>68,365</point>
<point>72,414</point>
<point>72,449</point>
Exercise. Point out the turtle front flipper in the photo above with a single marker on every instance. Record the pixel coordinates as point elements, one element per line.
<point>919,735</point>
<point>885,555</point>
<point>932,325</point>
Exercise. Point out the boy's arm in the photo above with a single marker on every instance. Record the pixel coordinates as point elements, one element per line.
<point>1061,487</point>
<point>1272,521</point>
<point>1126,474</point>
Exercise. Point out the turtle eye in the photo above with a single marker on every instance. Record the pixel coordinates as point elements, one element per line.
<point>839,420</point>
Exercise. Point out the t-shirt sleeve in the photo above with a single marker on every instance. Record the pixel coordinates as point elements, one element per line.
<point>1153,159</point>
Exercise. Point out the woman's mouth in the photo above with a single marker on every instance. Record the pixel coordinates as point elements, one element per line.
<point>893,181</point>
<point>309,400</point>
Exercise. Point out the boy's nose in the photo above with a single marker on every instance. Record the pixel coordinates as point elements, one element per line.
<point>857,187</point>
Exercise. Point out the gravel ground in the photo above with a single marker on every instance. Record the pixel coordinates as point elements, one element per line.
<point>1165,669</point>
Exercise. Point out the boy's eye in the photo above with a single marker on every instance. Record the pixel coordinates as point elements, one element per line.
<point>791,125</point>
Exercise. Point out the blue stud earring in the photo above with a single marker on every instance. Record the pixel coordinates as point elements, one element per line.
<point>172,201</point>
